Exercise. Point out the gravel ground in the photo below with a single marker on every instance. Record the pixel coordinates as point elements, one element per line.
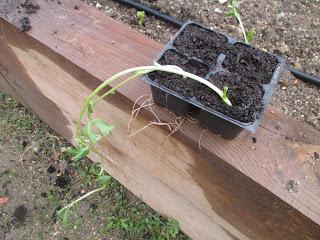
<point>290,28</point>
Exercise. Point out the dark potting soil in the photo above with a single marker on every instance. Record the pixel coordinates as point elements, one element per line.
<point>250,62</point>
<point>246,70</point>
<point>176,82</point>
<point>244,94</point>
<point>195,41</point>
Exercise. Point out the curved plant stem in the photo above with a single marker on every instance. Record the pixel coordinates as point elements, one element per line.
<point>242,28</point>
<point>85,196</point>
<point>86,138</point>
<point>62,213</point>
<point>235,12</point>
<point>111,91</point>
<point>139,71</point>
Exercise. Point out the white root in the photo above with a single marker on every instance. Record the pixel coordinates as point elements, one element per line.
<point>176,129</point>
<point>148,103</point>
<point>192,119</point>
<point>148,125</point>
<point>200,138</point>
<point>151,109</point>
<point>135,111</point>
<point>173,126</point>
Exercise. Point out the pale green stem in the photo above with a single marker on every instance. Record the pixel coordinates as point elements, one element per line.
<point>83,197</point>
<point>169,69</point>
<point>238,17</point>
<point>115,87</point>
<point>138,72</point>
<point>242,28</point>
<point>101,171</point>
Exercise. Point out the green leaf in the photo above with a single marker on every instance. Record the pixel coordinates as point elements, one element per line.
<point>225,93</point>
<point>104,180</point>
<point>250,36</point>
<point>231,13</point>
<point>111,222</point>
<point>89,134</point>
<point>96,129</point>
<point>81,153</point>
<point>63,216</point>
<point>234,4</point>
<point>173,228</point>
<point>78,152</point>
<point>103,127</point>
<point>141,14</point>
<point>72,151</point>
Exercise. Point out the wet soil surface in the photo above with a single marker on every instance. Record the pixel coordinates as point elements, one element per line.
<point>251,63</point>
<point>248,70</point>
<point>285,27</point>
<point>200,43</point>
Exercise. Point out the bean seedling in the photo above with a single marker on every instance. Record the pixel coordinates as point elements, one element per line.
<point>141,15</point>
<point>87,136</point>
<point>234,12</point>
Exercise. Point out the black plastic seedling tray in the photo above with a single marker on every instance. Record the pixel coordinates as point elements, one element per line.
<point>209,118</point>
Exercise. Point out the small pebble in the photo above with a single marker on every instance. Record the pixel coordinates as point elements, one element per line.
<point>35,149</point>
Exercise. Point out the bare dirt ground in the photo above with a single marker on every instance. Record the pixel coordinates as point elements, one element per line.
<point>37,178</point>
<point>290,28</point>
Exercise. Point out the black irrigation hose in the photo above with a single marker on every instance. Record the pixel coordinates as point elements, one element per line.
<point>169,19</point>
<point>303,76</point>
<point>153,12</point>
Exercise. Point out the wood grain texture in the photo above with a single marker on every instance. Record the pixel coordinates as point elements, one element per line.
<point>52,87</point>
<point>227,190</point>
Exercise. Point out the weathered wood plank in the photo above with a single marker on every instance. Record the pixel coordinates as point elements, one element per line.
<point>52,87</point>
<point>235,186</point>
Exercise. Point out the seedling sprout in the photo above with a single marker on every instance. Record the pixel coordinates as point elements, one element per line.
<point>141,15</point>
<point>234,12</point>
<point>87,136</point>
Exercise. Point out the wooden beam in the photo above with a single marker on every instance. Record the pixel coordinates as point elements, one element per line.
<point>227,190</point>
